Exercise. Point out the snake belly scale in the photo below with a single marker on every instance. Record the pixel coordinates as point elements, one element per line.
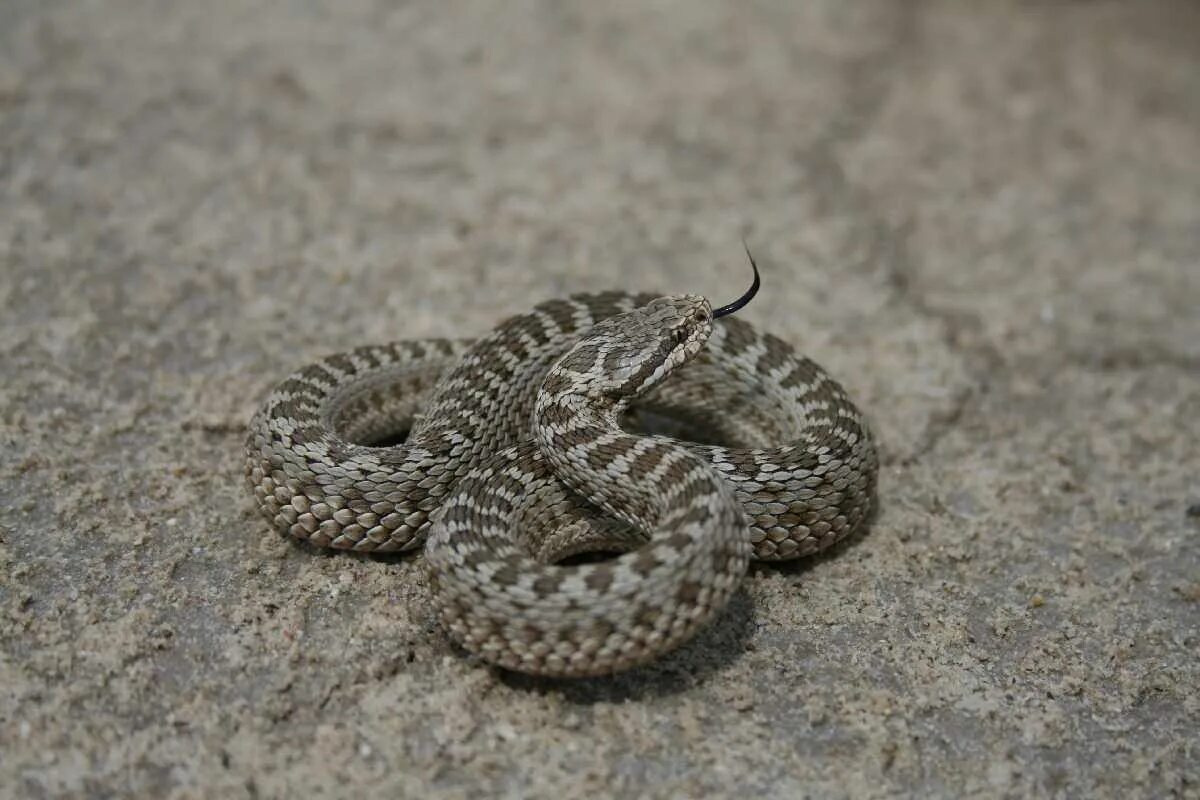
<point>521,454</point>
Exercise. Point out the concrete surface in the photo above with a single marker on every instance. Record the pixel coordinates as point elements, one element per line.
<point>981,216</point>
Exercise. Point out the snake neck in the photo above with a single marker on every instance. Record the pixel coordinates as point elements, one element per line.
<point>614,470</point>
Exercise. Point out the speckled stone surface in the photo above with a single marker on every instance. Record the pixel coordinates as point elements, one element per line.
<point>981,217</point>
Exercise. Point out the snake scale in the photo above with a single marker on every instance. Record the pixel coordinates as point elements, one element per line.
<point>523,455</point>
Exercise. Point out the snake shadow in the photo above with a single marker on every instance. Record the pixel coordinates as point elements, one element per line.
<point>713,650</point>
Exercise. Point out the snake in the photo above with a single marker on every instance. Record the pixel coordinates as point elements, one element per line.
<point>563,535</point>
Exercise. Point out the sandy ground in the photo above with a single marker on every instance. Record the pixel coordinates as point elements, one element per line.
<point>981,217</point>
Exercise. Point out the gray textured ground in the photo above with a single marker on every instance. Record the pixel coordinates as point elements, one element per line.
<point>982,217</point>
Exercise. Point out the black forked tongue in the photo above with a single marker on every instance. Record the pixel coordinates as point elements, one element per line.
<point>741,302</point>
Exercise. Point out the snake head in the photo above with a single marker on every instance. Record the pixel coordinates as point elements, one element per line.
<point>625,355</point>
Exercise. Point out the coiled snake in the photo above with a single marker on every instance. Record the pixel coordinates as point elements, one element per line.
<point>521,455</point>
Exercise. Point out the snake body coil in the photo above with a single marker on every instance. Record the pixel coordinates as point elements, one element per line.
<point>520,456</point>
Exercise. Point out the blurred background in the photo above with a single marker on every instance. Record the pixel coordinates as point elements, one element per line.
<point>981,217</point>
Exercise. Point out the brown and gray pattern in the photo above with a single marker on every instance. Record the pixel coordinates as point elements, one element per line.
<point>517,460</point>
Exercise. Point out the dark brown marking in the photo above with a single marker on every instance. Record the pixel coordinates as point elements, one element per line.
<point>645,563</point>
<point>689,592</point>
<point>643,464</point>
<point>600,579</point>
